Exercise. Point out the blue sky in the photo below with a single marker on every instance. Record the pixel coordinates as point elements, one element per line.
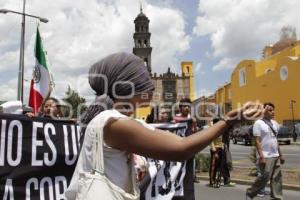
<point>215,34</point>
<point>206,81</point>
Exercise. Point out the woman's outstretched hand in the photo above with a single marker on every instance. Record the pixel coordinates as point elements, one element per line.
<point>249,111</point>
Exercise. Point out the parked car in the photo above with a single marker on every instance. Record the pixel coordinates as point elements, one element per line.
<point>243,134</point>
<point>284,135</point>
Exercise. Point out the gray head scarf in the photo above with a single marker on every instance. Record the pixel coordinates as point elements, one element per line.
<point>116,76</point>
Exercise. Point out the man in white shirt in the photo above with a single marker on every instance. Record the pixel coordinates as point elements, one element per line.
<point>268,155</point>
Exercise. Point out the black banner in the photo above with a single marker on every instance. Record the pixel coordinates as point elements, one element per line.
<point>37,157</point>
<point>170,180</point>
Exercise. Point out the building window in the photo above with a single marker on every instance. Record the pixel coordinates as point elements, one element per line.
<point>242,77</point>
<point>229,93</point>
<point>284,72</point>
<point>222,96</point>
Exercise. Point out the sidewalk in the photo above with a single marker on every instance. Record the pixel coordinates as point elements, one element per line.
<point>296,143</point>
<point>248,182</point>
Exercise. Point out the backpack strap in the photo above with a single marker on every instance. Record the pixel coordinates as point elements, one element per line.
<point>269,123</point>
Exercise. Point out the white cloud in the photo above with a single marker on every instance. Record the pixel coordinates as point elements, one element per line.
<point>81,32</point>
<point>7,90</point>
<point>208,54</point>
<point>199,69</point>
<point>240,29</point>
<point>168,36</point>
<point>224,63</point>
<point>204,92</point>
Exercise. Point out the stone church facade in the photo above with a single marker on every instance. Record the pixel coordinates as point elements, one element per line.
<point>169,87</point>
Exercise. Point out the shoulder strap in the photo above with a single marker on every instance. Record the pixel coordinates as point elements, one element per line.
<point>98,155</point>
<point>98,159</point>
<point>270,125</point>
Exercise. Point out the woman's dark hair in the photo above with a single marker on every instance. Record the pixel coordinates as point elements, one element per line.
<point>56,101</point>
<point>269,104</point>
<point>184,102</point>
<point>153,116</point>
<point>53,99</point>
<point>215,120</point>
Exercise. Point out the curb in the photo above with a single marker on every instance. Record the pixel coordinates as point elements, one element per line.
<point>248,182</point>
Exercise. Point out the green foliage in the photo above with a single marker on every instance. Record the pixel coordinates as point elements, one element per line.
<point>75,104</point>
<point>202,163</point>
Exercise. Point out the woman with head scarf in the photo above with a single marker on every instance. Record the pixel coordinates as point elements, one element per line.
<point>122,83</point>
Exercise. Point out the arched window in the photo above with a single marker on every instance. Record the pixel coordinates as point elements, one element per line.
<point>242,77</point>
<point>139,43</point>
<point>145,43</point>
<point>284,72</point>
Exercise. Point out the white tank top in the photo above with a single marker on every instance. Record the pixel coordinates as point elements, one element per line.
<point>117,166</point>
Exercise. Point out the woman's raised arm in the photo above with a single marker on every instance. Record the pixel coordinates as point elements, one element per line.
<point>129,135</point>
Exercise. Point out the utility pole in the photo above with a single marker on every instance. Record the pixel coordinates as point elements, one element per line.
<point>22,46</point>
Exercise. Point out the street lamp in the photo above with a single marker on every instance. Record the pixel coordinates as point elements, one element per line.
<point>4,11</point>
<point>21,60</point>
<point>293,118</point>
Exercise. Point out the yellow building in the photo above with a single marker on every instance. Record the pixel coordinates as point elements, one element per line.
<point>204,109</point>
<point>170,88</point>
<point>275,79</point>
<point>187,71</point>
<point>223,98</point>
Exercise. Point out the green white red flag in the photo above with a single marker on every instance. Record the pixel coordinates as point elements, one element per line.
<point>40,83</point>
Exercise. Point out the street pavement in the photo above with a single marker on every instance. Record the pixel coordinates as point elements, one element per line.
<point>202,192</point>
<point>240,154</point>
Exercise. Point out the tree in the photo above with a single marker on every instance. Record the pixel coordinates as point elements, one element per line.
<point>75,104</point>
<point>288,32</point>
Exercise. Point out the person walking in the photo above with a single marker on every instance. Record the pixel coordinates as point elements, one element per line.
<point>185,113</point>
<point>227,161</point>
<point>269,156</point>
<point>121,136</point>
<point>216,147</point>
<point>219,159</point>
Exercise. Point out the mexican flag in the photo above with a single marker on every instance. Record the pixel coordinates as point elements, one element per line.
<point>40,83</point>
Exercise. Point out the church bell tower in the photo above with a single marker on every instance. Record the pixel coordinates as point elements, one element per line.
<point>141,38</point>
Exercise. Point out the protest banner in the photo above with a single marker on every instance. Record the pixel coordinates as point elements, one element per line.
<point>167,179</point>
<point>38,157</point>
